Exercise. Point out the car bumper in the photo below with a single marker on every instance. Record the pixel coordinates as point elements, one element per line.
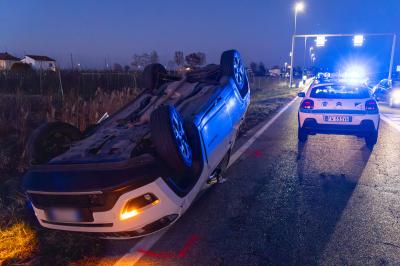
<point>361,121</point>
<point>363,129</point>
<point>148,220</point>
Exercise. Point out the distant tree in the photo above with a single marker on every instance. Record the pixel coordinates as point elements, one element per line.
<point>117,67</point>
<point>140,61</point>
<point>195,59</point>
<point>297,72</point>
<point>136,63</point>
<point>127,68</point>
<point>179,58</point>
<point>254,68</point>
<point>171,65</point>
<point>262,71</point>
<point>154,57</point>
<point>202,57</point>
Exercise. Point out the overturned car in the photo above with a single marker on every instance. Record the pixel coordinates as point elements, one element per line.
<point>138,170</point>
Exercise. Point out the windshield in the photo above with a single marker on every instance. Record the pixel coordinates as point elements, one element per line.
<point>340,92</point>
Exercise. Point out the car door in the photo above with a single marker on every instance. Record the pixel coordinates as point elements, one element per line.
<point>216,129</point>
<point>236,106</point>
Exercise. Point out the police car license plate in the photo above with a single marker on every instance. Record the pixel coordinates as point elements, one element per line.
<point>337,118</point>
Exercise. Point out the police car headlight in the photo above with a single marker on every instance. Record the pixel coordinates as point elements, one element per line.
<point>396,96</point>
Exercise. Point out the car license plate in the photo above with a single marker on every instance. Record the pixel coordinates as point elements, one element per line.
<point>63,215</point>
<point>337,118</point>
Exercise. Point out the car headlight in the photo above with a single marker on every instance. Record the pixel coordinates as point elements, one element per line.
<point>134,206</point>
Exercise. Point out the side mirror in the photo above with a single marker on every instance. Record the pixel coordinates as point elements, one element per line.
<point>301,94</point>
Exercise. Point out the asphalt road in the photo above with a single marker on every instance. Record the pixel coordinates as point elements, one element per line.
<point>331,201</point>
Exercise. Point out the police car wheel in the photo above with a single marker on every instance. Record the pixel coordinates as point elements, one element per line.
<point>371,139</point>
<point>302,135</point>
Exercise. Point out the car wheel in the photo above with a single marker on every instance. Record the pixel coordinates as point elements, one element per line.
<point>153,75</point>
<point>302,134</point>
<point>232,65</point>
<point>371,139</point>
<point>170,138</point>
<point>50,140</point>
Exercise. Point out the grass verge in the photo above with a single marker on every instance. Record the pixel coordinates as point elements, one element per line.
<point>267,95</point>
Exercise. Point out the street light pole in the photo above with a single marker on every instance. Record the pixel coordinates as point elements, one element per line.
<point>392,57</point>
<point>298,8</point>
<point>291,62</point>
<point>304,55</point>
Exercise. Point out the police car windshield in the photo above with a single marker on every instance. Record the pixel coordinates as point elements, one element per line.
<point>340,92</point>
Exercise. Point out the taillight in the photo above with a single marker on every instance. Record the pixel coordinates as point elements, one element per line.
<point>307,104</point>
<point>371,105</point>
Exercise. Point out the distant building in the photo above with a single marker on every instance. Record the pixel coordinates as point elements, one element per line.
<point>7,60</point>
<point>40,62</point>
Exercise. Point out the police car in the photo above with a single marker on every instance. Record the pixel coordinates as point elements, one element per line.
<point>338,108</point>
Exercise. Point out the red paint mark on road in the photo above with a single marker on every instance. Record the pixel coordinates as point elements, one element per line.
<point>162,255</point>
<point>258,153</point>
<point>187,245</point>
<point>168,255</point>
<point>254,153</point>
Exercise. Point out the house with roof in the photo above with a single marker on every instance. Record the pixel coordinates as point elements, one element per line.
<point>7,60</point>
<point>40,62</point>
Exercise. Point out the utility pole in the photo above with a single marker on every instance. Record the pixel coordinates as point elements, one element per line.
<point>60,82</point>
<point>72,62</point>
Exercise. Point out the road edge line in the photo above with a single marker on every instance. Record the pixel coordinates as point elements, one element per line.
<point>146,243</point>
<point>390,122</point>
<point>134,255</point>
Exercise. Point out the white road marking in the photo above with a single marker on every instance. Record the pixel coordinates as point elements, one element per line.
<point>388,120</point>
<point>146,243</point>
<point>134,255</point>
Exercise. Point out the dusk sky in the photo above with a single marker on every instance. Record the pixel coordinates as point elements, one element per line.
<point>92,30</point>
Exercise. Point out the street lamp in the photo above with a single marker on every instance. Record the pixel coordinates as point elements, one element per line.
<point>320,41</point>
<point>358,40</point>
<point>298,7</point>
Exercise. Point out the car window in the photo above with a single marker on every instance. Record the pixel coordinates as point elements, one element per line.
<point>340,92</point>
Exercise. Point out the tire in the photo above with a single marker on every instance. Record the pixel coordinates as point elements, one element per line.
<point>171,140</point>
<point>371,139</point>
<point>232,65</point>
<point>153,75</point>
<point>50,140</point>
<point>223,165</point>
<point>302,134</point>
